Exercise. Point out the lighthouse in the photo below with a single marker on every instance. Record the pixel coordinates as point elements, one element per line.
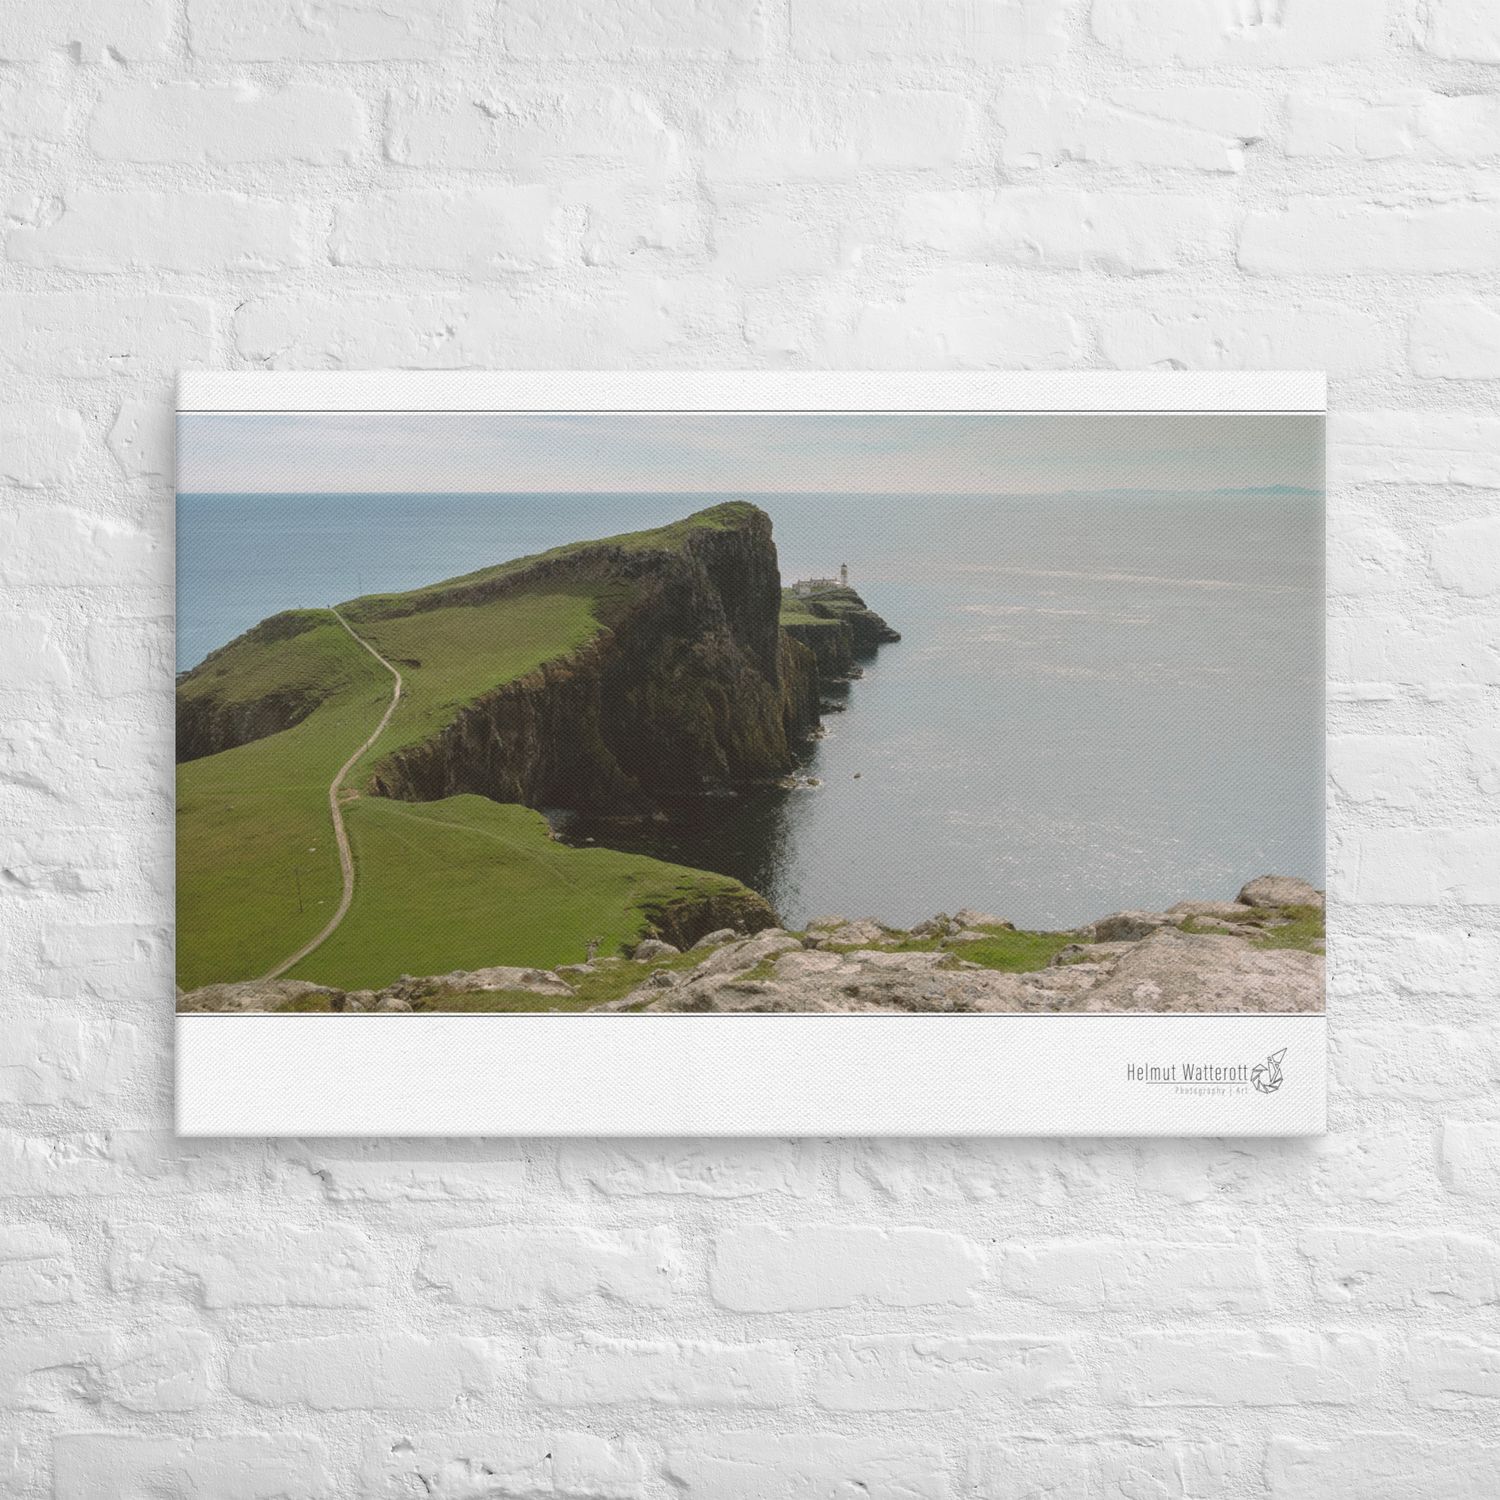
<point>844,574</point>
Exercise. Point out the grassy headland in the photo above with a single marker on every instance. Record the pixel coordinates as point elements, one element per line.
<point>266,722</point>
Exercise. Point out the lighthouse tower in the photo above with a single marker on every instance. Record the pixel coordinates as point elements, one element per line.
<point>844,574</point>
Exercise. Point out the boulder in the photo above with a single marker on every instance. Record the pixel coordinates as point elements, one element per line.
<point>507,977</point>
<point>967,917</point>
<point>1225,910</point>
<point>932,927</point>
<point>1129,926</point>
<point>1173,971</point>
<point>735,958</point>
<point>715,939</point>
<point>393,1004</point>
<point>653,948</point>
<point>866,931</point>
<point>1280,890</point>
<point>251,996</point>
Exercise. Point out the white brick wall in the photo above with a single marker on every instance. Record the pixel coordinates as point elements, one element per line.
<point>943,183</point>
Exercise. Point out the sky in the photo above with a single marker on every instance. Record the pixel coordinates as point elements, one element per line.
<point>743,453</point>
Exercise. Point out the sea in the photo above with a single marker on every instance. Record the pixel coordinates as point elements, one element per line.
<point>1099,701</point>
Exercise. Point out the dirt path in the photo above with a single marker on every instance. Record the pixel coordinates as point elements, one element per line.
<point>346,856</point>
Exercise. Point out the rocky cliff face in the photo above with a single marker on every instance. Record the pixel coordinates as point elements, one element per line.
<point>690,687</point>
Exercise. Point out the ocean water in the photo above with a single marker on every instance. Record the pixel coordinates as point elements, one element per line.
<point>1099,701</point>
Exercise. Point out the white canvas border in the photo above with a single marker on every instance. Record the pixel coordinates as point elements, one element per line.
<point>451,1075</point>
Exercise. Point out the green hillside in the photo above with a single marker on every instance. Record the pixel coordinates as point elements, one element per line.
<point>257,867</point>
<point>463,882</point>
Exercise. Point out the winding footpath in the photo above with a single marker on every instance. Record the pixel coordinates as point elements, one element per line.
<point>346,856</point>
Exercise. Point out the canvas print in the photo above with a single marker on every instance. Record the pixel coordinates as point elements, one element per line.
<point>868,713</point>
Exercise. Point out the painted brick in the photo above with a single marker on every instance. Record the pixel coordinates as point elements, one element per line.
<point>1117,1274</point>
<point>1163,1468</point>
<point>1466,556</point>
<point>763,1268</point>
<point>1297,34</point>
<point>1287,334</point>
<point>164,1370</point>
<point>561,1464</point>
<point>36,1266</point>
<point>936,1373</point>
<point>39,444</point>
<point>366,1174</point>
<point>1471,1155</point>
<point>133,30</point>
<point>764,136</point>
<point>1234,1368</point>
<point>530,135</point>
<point>58,545</point>
<point>1466,30</point>
<point>53,1060</point>
<point>1425,1062</point>
<point>1123,233</point>
<point>1429,866</point>
<point>186,122</point>
<point>32,114</point>
<point>1433,447</point>
<point>753,1465</point>
<point>696,1169</point>
<point>1367,557</point>
<point>1312,236</point>
<point>1389,1269</point>
<point>100,229</point>
<point>1196,128</point>
<point>1449,1370</point>
<point>368,1371</point>
<point>335,1265</point>
<point>112,1465</point>
<point>34,658</point>
<point>515,1268</point>
<point>1382,127</point>
<point>1385,770</point>
<point>594,1371</point>
<point>352,31</point>
<point>1379,1466</point>
<point>98,1163</point>
<point>478,231</point>
<point>949,31</point>
<point>85,336</point>
<point>957,317</point>
<point>1455,338</point>
<point>634,28</point>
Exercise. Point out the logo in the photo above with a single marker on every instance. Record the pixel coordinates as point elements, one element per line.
<point>1193,1075</point>
<point>1266,1076</point>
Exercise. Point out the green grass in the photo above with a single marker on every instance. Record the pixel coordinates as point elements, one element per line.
<point>449,657</point>
<point>1302,927</point>
<point>728,516</point>
<point>253,822</point>
<point>1008,951</point>
<point>465,882</point>
<point>301,650</point>
<point>1299,927</point>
